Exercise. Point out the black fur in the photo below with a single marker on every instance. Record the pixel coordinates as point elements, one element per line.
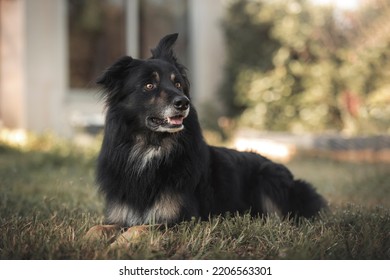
<point>155,167</point>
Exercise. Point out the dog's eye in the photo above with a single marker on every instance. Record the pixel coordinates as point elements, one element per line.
<point>149,87</point>
<point>178,85</point>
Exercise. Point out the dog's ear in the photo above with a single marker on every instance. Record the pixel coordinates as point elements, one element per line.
<point>113,78</point>
<point>114,75</point>
<point>164,49</point>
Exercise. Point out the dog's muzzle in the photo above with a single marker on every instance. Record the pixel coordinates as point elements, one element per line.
<point>172,118</point>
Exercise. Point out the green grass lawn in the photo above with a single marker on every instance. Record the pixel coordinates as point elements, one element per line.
<point>48,201</point>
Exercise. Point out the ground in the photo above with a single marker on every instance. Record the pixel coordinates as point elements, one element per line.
<point>48,201</point>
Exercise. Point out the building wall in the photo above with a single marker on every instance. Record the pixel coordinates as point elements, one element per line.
<point>12,87</point>
<point>46,65</point>
<point>207,50</point>
<point>33,65</point>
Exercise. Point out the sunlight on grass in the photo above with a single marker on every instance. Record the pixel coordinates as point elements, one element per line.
<point>16,138</point>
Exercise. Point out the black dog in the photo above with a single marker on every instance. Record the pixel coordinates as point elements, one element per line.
<point>155,167</point>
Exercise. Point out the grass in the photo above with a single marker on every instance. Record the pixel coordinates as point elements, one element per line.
<point>48,201</point>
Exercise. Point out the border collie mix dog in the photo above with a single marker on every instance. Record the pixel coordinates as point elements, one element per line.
<point>155,167</point>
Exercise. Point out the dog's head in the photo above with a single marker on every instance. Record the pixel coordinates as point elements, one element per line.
<point>154,91</point>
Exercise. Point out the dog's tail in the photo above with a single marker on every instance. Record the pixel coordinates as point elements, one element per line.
<point>304,201</point>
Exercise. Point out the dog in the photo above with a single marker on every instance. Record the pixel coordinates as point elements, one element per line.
<point>155,167</point>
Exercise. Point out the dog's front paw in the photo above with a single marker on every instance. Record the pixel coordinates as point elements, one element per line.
<point>131,235</point>
<point>102,232</point>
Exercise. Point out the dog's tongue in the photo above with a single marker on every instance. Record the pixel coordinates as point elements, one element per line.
<point>176,120</point>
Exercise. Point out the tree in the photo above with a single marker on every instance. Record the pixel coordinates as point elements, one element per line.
<point>294,66</point>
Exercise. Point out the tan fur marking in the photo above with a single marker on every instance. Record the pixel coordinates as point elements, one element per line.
<point>173,77</point>
<point>156,76</point>
<point>99,232</point>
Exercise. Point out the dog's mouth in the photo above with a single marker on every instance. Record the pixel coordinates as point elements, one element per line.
<point>168,124</point>
<point>174,121</point>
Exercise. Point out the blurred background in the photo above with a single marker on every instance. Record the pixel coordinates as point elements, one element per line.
<point>273,76</point>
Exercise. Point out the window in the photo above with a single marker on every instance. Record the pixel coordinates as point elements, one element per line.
<point>97,33</point>
<point>96,38</point>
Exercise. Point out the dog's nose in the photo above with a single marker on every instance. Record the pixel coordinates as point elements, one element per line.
<point>181,103</point>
